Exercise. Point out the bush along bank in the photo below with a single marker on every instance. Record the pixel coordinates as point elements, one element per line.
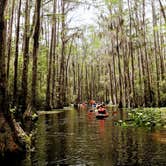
<point>145,117</point>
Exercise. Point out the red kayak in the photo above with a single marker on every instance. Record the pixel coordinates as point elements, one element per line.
<point>101,115</point>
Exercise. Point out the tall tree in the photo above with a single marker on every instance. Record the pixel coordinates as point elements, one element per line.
<point>50,59</point>
<point>10,37</point>
<point>35,52</point>
<point>3,78</point>
<point>156,53</point>
<point>131,54</point>
<point>15,89</point>
<point>148,92</point>
<point>162,10</point>
<point>61,92</point>
<point>24,87</point>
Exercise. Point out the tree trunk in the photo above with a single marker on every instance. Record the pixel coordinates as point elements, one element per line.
<point>15,89</point>
<point>54,56</point>
<point>162,10</point>
<point>35,53</point>
<point>148,101</point>
<point>3,76</point>
<point>66,72</point>
<point>126,88</point>
<point>119,69</point>
<point>24,94</point>
<point>10,38</point>
<point>111,86</point>
<point>60,102</point>
<point>114,78</point>
<point>79,84</point>
<point>156,52</point>
<point>50,62</point>
<point>132,57</point>
<point>74,78</point>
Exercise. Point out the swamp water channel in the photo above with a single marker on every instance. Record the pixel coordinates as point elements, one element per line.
<point>76,137</point>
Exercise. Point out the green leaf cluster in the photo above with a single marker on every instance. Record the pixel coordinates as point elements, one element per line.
<point>149,118</point>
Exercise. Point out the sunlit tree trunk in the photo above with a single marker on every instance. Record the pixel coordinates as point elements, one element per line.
<point>136,22</point>
<point>60,101</point>
<point>141,67</point>
<point>132,56</point>
<point>98,81</point>
<point>35,52</point>
<point>87,83</point>
<point>15,88</point>
<point>66,73</point>
<point>148,94</point>
<point>24,87</point>
<point>79,84</point>
<point>55,56</point>
<point>10,37</point>
<point>91,82</point>
<point>114,76</point>
<point>111,83</point>
<point>125,74</point>
<point>50,61</point>
<point>74,78</point>
<point>161,42</point>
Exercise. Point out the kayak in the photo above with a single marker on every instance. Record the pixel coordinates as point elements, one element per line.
<point>100,115</point>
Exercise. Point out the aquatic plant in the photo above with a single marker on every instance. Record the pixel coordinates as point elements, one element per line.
<point>147,117</point>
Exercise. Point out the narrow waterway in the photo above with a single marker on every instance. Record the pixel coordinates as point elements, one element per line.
<point>76,137</point>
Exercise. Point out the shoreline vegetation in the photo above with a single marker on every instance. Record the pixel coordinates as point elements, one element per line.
<point>150,118</point>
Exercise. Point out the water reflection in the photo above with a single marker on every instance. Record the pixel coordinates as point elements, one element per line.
<point>78,138</point>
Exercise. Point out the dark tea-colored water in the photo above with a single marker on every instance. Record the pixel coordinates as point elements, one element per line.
<point>76,137</point>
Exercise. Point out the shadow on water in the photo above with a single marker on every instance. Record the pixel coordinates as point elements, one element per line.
<point>76,137</point>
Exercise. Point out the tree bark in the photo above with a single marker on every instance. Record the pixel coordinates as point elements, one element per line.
<point>120,104</point>
<point>35,52</point>
<point>162,10</point>
<point>50,62</point>
<point>132,56</point>
<point>111,86</point>
<point>148,101</point>
<point>3,75</point>
<point>24,90</point>
<point>10,38</point>
<point>60,102</point>
<point>15,89</point>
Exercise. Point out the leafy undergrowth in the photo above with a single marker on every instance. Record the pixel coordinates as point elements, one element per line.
<point>147,117</point>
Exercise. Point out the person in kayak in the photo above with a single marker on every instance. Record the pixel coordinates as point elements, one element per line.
<point>101,109</point>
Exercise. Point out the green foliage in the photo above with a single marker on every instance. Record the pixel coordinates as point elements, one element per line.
<point>146,117</point>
